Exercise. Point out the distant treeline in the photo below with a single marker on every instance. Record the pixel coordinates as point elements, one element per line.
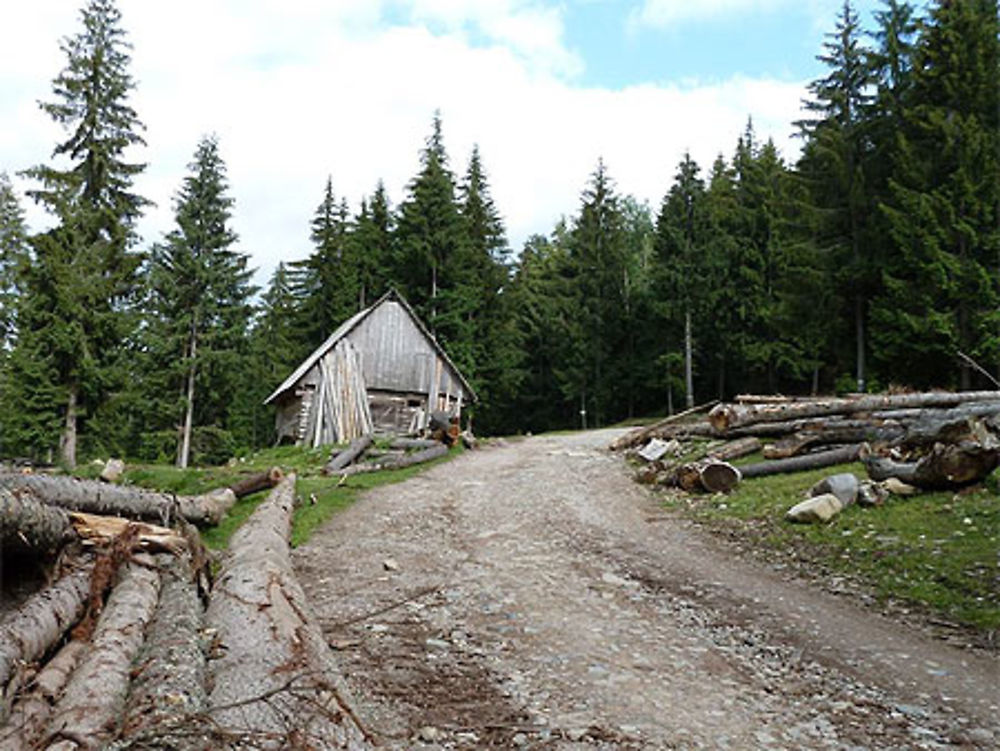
<point>874,260</point>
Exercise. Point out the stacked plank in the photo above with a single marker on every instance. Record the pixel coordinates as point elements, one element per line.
<point>958,429</point>
<point>339,409</point>
<point>130,647</point>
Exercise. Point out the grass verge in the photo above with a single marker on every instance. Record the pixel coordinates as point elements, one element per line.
<point>937,550</point>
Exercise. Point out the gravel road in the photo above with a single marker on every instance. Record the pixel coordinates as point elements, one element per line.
<point>531,595</point>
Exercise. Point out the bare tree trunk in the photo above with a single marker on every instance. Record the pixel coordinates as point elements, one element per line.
<point>688,368</point>
<point>39,623</point>
<point>185,449</point>
<point>89,711</point>
<point>27,524</point>
<point>67,442</point>
<point>859,335</point>
<point>274,682</point>
<point>801,463</point>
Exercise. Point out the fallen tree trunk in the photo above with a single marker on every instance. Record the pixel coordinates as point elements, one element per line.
<point>818,460</point>
<point>103,530</point>
<point>708,474</point>
<point>258,482</point>
<point>349,455</point>
<point>96,497</point>
<point>736,449</point>
<point>91,706</point>
<point>400,461</point>
<point>168,687</point>
<point>27,524</point>
<point>725,417</point>
<point>797,443</point>
<point>407,444</point>
<point>31,712</point>
<point>272,684</point>
<point>640,435</point>
<point>34,628</point>
<point>946,466</point>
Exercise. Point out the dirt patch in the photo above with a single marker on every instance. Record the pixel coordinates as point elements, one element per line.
<point>524,597</point>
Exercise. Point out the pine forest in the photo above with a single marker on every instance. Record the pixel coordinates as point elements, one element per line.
<point>870,262</point>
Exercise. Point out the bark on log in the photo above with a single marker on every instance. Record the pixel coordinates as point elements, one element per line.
<point>350,454</point>
<point>640,435</point>
<point>90,709</point>
<point>725,417</point>
<point>708,474</point>
<point>736,449</point>
<point>946,466</point>
<point>400,461</point>
<point>406,444</point>
<point>34,628</point>
<point>27,524</point>
<point>256,483</point>
<point>797,443</point>
<point>31,712</point>
<point>818,460</point>
<point>273,682</point>
<point>168,686</point>
<point>115,500</point>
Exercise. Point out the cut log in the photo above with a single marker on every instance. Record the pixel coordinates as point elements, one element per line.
<point>168,686</point>
<point>31,712</point>
<point>89,710</point>
<point>708,474</point>
<point>103,530</point>
<point>96,497</point>
<point>27,524</point>
<point>273,682</point>
<point>407,444</point>
<point>946,466</point>
<point>349,455</point>
<point>399,461</point>
<point>725,417</point>
<point>737,449</point>
<point>643,434</point>
<point>33,629</point>
<point>820,459</point>
<point>258,482</point>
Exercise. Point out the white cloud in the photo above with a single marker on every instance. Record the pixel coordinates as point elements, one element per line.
<point>664,13</point>
<point>297,91</point>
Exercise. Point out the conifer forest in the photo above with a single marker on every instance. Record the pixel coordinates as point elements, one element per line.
<point>871,261</point>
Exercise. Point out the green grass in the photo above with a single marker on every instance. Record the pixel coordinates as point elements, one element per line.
<point>321,496</point>
<point>940,550</point>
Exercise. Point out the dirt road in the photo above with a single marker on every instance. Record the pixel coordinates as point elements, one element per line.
<point>532,596</point>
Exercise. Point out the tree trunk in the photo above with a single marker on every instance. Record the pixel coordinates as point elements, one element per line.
<point>405,444</point>
<point>859,336</point>
<point>736,449</point>
<point>400,462</point>
<point>87,714</point>
<point>820,459</point>
<point>688,367</point>
<point>31,712</point>
<point>349,455</point>
<point>169,678</point>
<point>726,417</point>
<point>27,524</point>
<point>258,482</point>
<point>185,448</point>
<point>640,435</point>
<point>708,474</point>
<point>34,628</point>
<point>100,498</point>
<point>273,684</point>
<point>67,442</point>
<point>946,466</point>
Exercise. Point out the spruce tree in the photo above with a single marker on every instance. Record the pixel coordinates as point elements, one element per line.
<point>13,249</point>
<point>201,299</point>
<point>89,191</point>
<point>371,243</point>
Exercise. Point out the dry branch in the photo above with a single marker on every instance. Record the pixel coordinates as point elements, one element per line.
<point>274,676</point>
<point>34,628</point>
<point>89,710</point>
<point>96,497</point>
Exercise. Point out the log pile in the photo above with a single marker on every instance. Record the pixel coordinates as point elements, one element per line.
<point>129,645</point>
<point>929,440</point>
<point>359,457</point>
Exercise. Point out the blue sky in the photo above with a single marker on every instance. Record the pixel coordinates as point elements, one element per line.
<point>297,90</point>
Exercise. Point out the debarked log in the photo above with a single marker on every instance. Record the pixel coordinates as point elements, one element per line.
<point>90,709</point>
<point>96,497</point>
<point>34,628</point>
<point>27,524</point>
<point>820,459</point>
<point>271,676</point>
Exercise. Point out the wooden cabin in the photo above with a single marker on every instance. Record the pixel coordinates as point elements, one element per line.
<point>380,371</point>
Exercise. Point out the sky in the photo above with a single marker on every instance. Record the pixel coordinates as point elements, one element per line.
<point>299,90</point>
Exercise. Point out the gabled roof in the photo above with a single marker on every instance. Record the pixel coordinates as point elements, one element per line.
<point>347,327</point>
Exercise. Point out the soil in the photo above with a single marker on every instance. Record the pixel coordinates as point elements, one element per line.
<point>531,595</point>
